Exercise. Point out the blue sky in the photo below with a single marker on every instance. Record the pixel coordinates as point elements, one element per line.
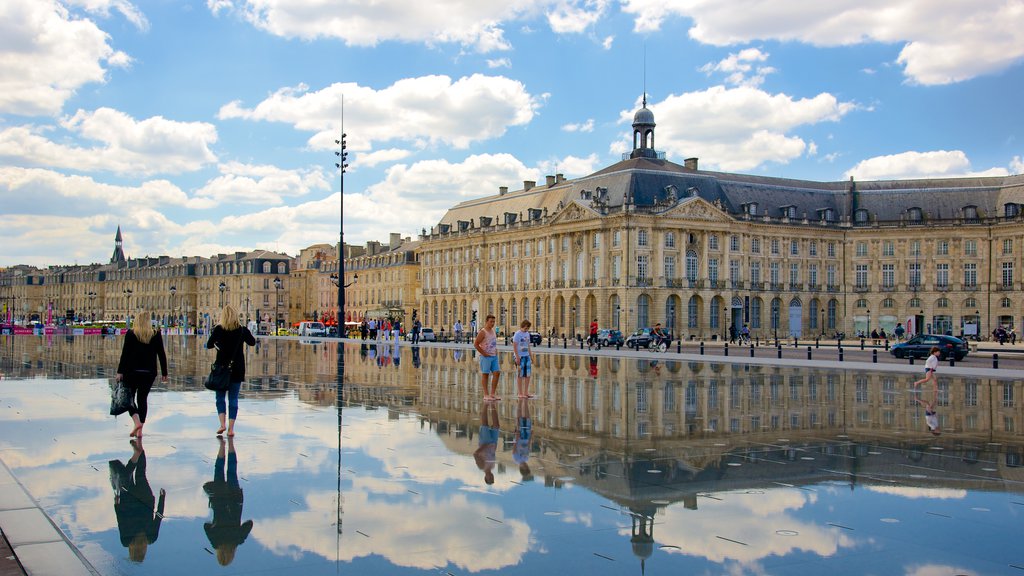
<point>208,126</point>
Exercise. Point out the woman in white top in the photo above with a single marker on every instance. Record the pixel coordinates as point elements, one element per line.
<point>930,366</point>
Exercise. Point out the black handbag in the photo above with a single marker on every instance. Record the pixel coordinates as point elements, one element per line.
<point>120,400</point>
<point>220,375</point>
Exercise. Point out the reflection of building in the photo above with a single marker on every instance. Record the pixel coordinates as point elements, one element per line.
<point>646,240</point>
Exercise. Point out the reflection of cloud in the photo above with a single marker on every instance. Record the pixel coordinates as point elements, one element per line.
<point>697,532</point>
<point>914,492</point>
<point>459,532</point>
<point>937,570</point>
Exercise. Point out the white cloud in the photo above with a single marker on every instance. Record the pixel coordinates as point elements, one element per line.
<point>371,159</point>
<point>737,129</point>
<point>499,63</point>
<point>103,8</point>
<point>571,166</point>
<point>424,110</point>
<point>607,42</point>
<point>46,55</point>
<point>1017,165</point>
<point>739,68</point>
<point>587,126</point>
<point>916,492</point>
<point>475,23</point>
<point>576,17</point>
<point>264,185</point>
<point>944,41</point>
<point>152,146</point>
<point>911,165</point>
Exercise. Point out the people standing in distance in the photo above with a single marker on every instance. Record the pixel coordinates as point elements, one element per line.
<point>899,331</point>
<point>458,330</point>
<point>228,338</point>
<point>486,344</point>
<point>226,531</point>
<point>137,521</point>
<point>485,454</point>
<point>143,346</point>
<point>524,359</point>
<point>416,326</point>
<point>930,366</point>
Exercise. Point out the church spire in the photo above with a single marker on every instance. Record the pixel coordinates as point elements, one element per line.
<point>118,257</point>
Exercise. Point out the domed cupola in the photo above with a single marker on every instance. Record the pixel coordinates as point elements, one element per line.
<point>643,133</point>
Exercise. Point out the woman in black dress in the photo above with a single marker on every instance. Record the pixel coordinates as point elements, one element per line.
<point>228,337</point>
<point>143,346</point>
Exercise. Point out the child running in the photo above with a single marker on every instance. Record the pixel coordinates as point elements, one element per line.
<point>930,366</point>
<point>524,361</point>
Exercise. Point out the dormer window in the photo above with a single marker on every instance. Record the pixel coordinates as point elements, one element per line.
<point>752,208</point>
<point>971,213</point>
<point>1011,210</point>
<point>860,216</point>
<point>827,215</point>
<point>915,214</point>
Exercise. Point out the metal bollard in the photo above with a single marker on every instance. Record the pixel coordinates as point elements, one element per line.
<point>701,347</point>
<point>726,348</point>
<point>808,352</point>
<point>549,341</point>
<point>911,359</point>
<point>679,346</point>
<point>565,343</point>
<point>995,360</point>
<point>840,354</point>
<point>795,343</point>
<point>817,343</point>
<point>952,361</point>
<point>581,344</point>
<point>618,345</point>
<point>751,350</point>
<point>874,356</point>
<point>779,351</point>
<point>886,344</point>
<point>861,343</point>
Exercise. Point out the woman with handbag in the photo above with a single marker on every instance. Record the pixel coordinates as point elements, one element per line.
<point>228,337</point>
<point>142,347</point>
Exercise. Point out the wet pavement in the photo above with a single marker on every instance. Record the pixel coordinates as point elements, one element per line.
<point>623,465</point>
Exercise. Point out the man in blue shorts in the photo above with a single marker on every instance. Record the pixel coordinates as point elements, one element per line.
<point>486,345</point>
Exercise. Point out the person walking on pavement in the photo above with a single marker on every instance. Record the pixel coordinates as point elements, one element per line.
<point>416,331</point>
<point>486,344</point>
<point>592,338</point>
<point>227,338</point>
<point>732,333</point>
<point>142,347</point>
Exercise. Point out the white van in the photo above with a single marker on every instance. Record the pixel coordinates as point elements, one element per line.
<point>312,329</point>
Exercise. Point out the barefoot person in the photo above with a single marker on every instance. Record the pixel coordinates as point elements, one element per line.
<point>486,345</point>
<point>143,346</point>
<point>524,360</point>
<point>485,455</point>
<point>930,366</point>
<point>227,338</point>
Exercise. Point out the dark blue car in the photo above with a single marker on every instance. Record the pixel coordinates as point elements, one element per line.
<point>921,345</point>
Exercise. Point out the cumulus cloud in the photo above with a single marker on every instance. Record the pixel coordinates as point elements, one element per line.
<point>371,159</point>
<point>264,185</point>
<point>910,165</point>
<point>740,68</point>
<point>103,7</point>
<point>587,126</point>
<point>1017,165</point>
<point>576,17</point>
<point>607,42</point>
<point>499,63</point>
<point>425,110</point>
<point>127,146</point>
<point>571,166</point>
<point>737,129</point>
<point>944,41</point>
<point>46,55</point>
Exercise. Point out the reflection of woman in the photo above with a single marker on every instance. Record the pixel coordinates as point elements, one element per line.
<point>227,530</point>
<point>133,504</point>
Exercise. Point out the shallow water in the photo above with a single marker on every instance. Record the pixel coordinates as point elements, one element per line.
<point>633,465</point>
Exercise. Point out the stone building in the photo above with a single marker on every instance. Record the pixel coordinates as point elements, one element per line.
<point>388,283</point>
<point>647,240</point>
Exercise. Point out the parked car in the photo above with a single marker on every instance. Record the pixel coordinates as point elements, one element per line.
<point>426,335</point>
<point>312,329</point>
<point>920,346</point>
<point>283,332</point>
<point>536,338</point>
<point>642,338</point>
<point>608,337</point>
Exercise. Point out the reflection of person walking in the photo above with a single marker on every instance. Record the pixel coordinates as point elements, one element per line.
<point>592,338</point>
<point>931,417</point>
<point>524,360</point>
<point>930,366</point>
<point>227,338</point>
<point>486,345</point>
<point>137,522</point>
<point>489,430</point>
<point>523,440</point>
<point>227,531</point>
<point>143,346</point>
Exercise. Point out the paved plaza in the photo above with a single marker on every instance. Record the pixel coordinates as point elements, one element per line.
<point>625,463</point>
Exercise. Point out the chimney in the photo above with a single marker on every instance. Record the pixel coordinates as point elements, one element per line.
<point>394,240</point>
<point>550,181</point>
<point>528,185</point>
<point>559,178</point>
<point>502,190</point>
<point>690,163</point>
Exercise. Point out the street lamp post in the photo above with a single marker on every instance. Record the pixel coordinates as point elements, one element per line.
<point>725,327</point>
<point>672,320</point>
<point>618,309</point>
<point>174,317</point>
<point>128,307</point>
<point>822,321</point>
<point>573,322</point>
<point>92,307</point>
<point>277,304</point>
<point>867,331</point>
<point>222,287</point>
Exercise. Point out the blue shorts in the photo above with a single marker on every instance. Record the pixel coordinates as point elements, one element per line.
<point>488,435</point>
<point>525,366</point>
<point>489,364</point>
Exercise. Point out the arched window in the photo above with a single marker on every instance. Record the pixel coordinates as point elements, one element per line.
<point>942,303</point>
<point>691,265</point>
<point>1005,302</point>
<point>860,216</point>
<point>643,311</point>
<point>281,268</point>
<point>861,303</point>
<point>755,314</point>
<point>914,302</point>
<point>971,303</point>
<point>776,312</point>
<point>266,267</point>
<point>692,312</point>
<point>888,303</point>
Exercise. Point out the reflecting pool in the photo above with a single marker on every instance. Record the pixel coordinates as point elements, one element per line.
<point>619,466</point>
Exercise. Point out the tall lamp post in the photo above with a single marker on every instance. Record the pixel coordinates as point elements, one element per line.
<point>128,307</point>
<point>822,321</point>
<point>277,304</point>
<point>671,320</point>
<point>92,307</point>
<point>867,331</point>
<point>222,287</point>
<point>173,315</point>
<point>618,309</point>
<point>573,322</point>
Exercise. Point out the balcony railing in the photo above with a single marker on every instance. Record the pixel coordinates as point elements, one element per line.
<point>695,283</point>
<point>861,288</point>
<point>777,287</point>
<point>796,287</point>
<point>591,282</point>
<point>832,288</point>
<point>717,284</point>
<point>759,286</point>
<point>737,284</point>
<point>559,283</point>
<point>673,282</point>
<point>814,287</point>
<point>574,283</point>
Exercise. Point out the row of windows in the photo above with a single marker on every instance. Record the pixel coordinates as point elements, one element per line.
<point>970,275</point>
<point>970,248</point>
